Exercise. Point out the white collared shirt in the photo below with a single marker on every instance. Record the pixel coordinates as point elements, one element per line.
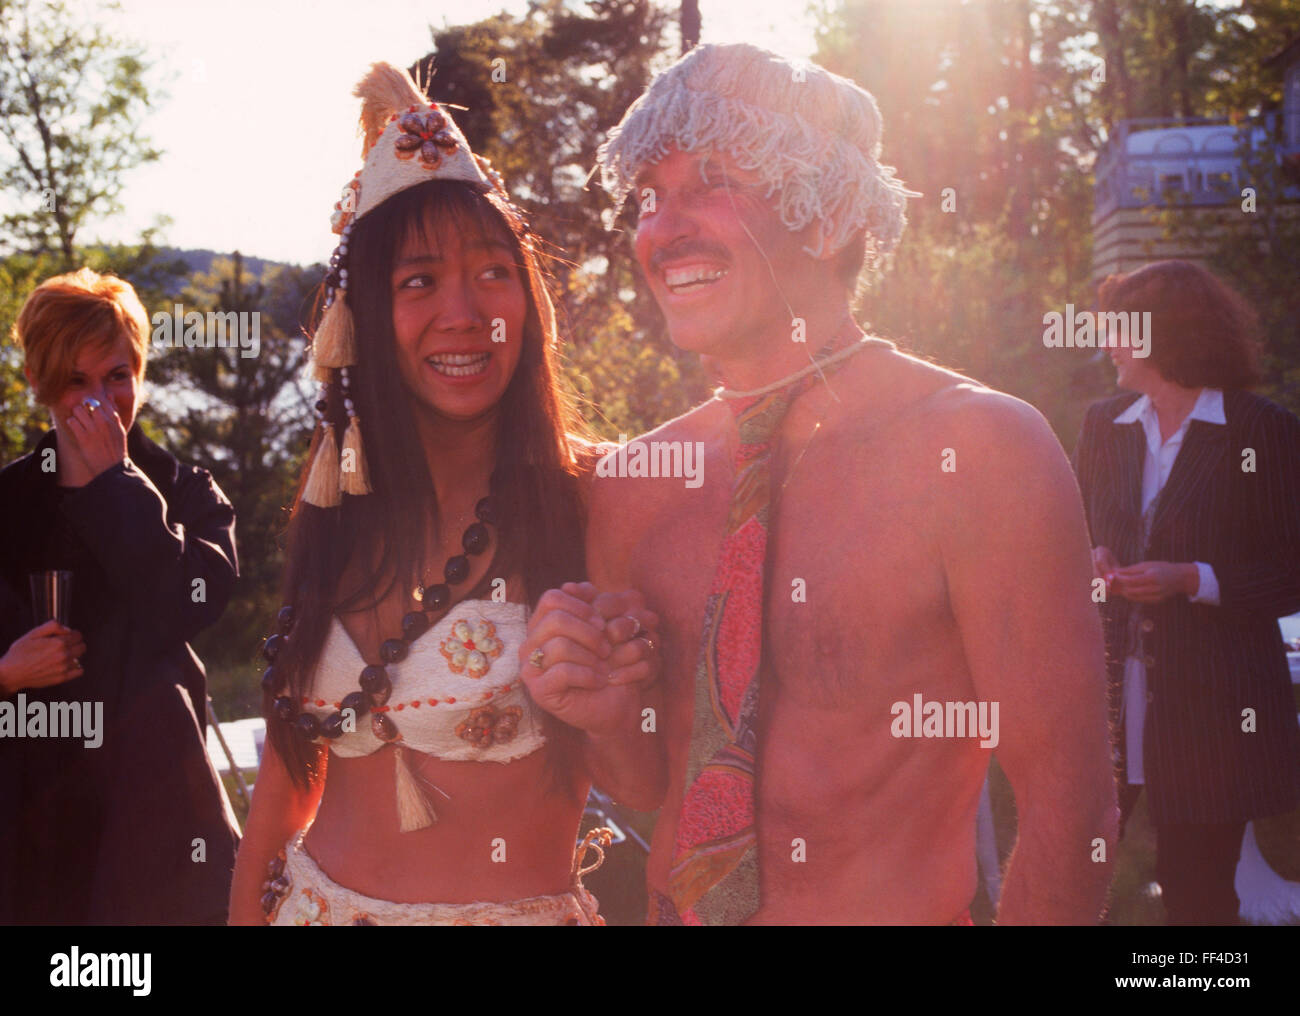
<point>1159,463</point>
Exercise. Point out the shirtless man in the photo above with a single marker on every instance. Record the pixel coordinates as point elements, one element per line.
<point>928,537</point>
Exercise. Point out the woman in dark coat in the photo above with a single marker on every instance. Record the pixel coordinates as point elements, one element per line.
<point>127,823</point>
<point>1191,485</point>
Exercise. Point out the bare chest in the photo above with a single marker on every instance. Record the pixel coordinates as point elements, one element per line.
<point>855,581</point>
<point>853,592</point>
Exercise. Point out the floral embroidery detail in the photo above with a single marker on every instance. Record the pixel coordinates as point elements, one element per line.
<point>313,911</point>
<point>471,647</point>
<point>424,132</point>
<point>487,726</point>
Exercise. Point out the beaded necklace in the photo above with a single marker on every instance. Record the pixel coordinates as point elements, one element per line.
<point>376,685</point>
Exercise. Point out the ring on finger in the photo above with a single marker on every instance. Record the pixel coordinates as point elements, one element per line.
<point>645,637</point>
<point>90,404</point>
<point>537,658</point>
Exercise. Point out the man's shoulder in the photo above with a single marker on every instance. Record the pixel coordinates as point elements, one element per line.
<point>624,495</point>
<point>705,424</point>
<point>998,428</point>
<point>706,421</point>
<point>696,424</point>
<point>586,453</point>
<point>978,449</point>
<point>625,499</point>
<point>930,401</point>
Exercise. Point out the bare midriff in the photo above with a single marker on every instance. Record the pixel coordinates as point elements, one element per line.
<point>506,833</point>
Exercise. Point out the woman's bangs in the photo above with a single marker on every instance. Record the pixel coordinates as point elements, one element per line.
<point>458,214</point>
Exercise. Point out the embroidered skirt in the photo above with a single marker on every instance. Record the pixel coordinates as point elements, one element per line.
<point>304,895</point>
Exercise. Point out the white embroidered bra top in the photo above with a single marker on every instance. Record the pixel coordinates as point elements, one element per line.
<point>457,695</point>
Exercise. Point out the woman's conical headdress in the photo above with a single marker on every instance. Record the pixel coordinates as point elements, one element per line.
<point>407,141</point>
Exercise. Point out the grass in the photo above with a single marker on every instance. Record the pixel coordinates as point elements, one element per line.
<point>235,690</point>
<point>1135,870</point>
<point>1135,863</point>
<point>232,791</point>
<point>1279,842</point>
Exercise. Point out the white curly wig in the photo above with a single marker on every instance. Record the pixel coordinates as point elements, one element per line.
<point>813,138</point>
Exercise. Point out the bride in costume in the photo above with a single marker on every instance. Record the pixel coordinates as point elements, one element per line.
<point>430,742</point>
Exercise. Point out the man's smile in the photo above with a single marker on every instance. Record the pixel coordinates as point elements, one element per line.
<point>681,280</point>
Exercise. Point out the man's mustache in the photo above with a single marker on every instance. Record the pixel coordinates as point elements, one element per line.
<point>687,248</point>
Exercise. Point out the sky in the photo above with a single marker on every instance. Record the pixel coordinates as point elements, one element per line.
<point>255,123</point>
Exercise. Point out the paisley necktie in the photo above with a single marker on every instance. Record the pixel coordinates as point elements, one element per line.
<point>714,878</point>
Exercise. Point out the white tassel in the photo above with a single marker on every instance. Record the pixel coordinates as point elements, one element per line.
<point>356,479</point>
<point>414,809</point>
<point>323,480</point>
<point>334,344</point>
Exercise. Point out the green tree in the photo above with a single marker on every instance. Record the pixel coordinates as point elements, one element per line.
<point>71,102</point>
<point>997,110</point>
<point>984,108</point>
<point>248,419</point>
<point>1256,249</point>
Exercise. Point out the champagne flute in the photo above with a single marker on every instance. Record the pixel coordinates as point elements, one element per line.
<point>51,596</point>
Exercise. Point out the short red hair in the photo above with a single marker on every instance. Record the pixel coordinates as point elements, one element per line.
<point>66,313</point>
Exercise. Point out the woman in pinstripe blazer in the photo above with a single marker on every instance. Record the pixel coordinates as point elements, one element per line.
<point>1192,491</point>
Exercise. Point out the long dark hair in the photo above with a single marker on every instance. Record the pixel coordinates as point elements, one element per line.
<point>1204,333</point>
<point>534,480</point>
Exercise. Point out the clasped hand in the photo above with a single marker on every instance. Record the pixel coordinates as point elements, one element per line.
<point>597,653</point>
<point>48,654</point>
<point>1146,581</point>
